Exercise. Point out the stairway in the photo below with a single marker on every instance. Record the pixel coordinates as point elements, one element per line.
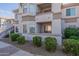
<point>5,32</point>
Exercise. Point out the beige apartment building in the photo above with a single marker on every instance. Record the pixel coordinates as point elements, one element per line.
<point>46,19</point>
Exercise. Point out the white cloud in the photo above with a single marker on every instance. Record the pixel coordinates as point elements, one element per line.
<point>6,13</point>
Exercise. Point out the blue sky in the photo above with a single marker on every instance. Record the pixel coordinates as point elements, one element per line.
<point>7,8</point>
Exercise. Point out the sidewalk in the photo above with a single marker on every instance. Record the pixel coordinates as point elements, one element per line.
<point>9,50</point>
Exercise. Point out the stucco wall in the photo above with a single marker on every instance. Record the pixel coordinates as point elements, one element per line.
<point>28,25</point>
<point>65,25</point>
<point>64,17</point>
<point>31,8</point>
<point>64,12</point>
<point>77,22</point>
<point>56,7</point>
<point>56,27</point>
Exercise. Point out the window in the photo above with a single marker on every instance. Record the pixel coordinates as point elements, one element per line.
<point>47,28</point>
<point>25,10</point>
<point>24,28</point>
<point>70,12</point>
<point>32,30</point>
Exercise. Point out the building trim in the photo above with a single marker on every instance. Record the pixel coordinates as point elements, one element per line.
<point>69,5</point>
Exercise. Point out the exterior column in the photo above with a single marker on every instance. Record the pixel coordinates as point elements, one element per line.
<point>36,28</point>
<point>56,22</point>
<point>20,23</point>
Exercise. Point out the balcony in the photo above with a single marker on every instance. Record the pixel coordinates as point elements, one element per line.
<point>27,14</point>
<point>44,17</point>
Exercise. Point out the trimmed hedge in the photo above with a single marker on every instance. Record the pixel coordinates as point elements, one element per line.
<point>71,32</point>
<point>71,46</point>
<point>37,41</point>
<point>14,36</point>
<point>50,44</point>
<point>21,40</point>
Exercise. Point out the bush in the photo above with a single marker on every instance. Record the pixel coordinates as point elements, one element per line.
<point>77,34</point>
<point>74,37</point>
<point>71,46</point>
<point>37,41</point>
<point>50,44</point>
<point>70,32</point>
<point>12,32</point>
<point>21,40</point>
<point>14,36</point>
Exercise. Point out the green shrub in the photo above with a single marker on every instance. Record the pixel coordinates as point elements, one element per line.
<point>14,36</point>
<point>70,32</point>
<point>21,40</point>
<point>71,46</point>
<point>74,37</point>
<point>50,44</point>
<point>77,34</point>
<point>37,41</point>
<point>12,32</point>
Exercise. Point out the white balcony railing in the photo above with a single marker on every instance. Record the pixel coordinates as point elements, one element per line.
<point>44,17</point>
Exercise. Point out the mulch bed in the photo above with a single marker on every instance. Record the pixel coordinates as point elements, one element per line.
<point>28,46</point>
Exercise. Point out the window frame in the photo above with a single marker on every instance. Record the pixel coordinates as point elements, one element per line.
<point>70,11</point>
<point>24,28</point>
<point>32,28</point>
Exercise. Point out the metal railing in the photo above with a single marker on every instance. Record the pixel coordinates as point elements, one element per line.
<point>2,34</point>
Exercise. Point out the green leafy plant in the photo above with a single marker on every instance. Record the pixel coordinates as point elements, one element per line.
<point>71,46</point>
<point>70,32</point>
<point>21,40</point>
<point>74,37</point>
<point>14,36</point>
<point>50,44</point>
<point>12,32</point>
<point>37,41</point>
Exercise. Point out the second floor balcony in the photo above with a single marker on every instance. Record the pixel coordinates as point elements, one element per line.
<point>44,13</point>
<point>44,17</point>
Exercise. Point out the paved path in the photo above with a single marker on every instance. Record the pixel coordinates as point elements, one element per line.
<point>10,50</point>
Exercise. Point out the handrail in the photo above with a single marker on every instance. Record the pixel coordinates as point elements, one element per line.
<point>7,30</point>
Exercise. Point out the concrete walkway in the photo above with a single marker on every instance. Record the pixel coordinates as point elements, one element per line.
<point>9,50</point>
